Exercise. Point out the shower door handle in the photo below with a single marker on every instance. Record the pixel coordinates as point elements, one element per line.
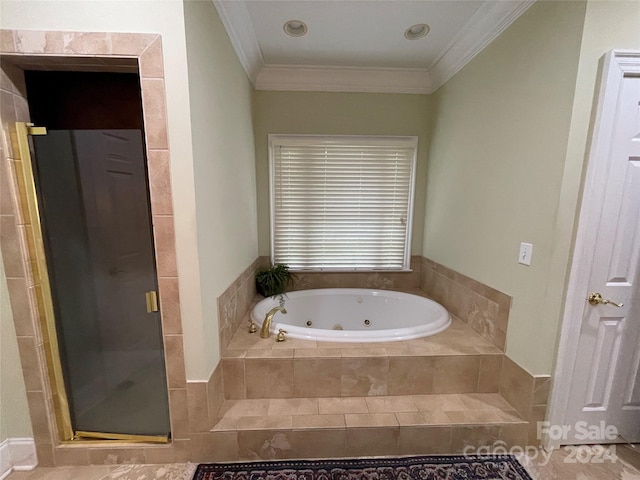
<point>152,301</point>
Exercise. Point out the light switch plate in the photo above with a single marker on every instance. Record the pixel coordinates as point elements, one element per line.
<point>526,252</point>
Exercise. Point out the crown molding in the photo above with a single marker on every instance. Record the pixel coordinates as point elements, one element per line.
<point>237,22</point>
<point>491,19</point>
<point>343,79</point>
<point>483,27</point>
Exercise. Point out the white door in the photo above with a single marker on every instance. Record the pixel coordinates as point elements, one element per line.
<point>604,385</point>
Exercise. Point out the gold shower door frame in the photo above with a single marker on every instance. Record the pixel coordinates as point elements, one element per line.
<point>31,214</point>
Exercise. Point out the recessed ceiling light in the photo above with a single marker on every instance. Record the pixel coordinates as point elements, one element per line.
<point>295,28</point>
<point>416,31</point>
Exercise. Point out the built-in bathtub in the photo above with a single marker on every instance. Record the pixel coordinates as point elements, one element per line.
<point>354,315</point>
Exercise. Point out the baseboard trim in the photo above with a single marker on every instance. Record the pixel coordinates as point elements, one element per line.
<point>17,454</point>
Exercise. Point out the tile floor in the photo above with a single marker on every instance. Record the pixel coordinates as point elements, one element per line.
<point>559,467</point>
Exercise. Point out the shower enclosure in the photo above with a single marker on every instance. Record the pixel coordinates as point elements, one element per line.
<point>92,202</point>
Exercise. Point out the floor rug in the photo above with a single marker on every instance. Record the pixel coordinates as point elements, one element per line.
<point>490,467</point>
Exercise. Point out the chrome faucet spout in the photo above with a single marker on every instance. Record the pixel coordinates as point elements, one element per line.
<point>265,332</point>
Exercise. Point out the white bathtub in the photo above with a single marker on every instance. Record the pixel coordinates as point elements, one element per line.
<point>354,315</point>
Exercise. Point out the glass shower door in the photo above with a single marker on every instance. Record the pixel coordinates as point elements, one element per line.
<point>95,217</point>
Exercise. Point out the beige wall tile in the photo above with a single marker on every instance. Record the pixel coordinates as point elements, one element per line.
<point>342,405</point>
<point>29,358</point>
<point>20,306</point>
<point>116,456</point>
<point>516,386</point>
<point>243,408</point>
<point>7,44</point>
<point>317,377</point>
<point>357,420</point>
<point>489,375</point>
<point>515,435</point>
<point>178,406</point>
<point>233,378</point>
<point>391,404</point>
<point>170,305</point>
<point>39,419</point>
<point>160,182</point>
<point>11,247</point>
<point>151,62</point>
<point>44,451</point>
<point>372,441</point>
<point>365,376</point>
<point>456,374</point>
<point>71,456</point>
<point>164,236</point>
<point>293,406</point>
<point>473,436</point>
<point>215,393</point>
<point>178,451</point>
<point>155,115</point>
<point>7,193</point>
<point>174,356</point>
<point>302,422</point>
<point>425,440</point>
<point>538,414</point>
<point>410,375</point>
<point>326,443</point>
<point>541,390</point>
<point>265,445</point>
<point>88,43</point>
<point>130,44</point>
<point>442,402</point>
<point>483,308</point>
<point>269,378</point>
<point>198,406</point>
<point>268,422</point>
<point>214,446</point>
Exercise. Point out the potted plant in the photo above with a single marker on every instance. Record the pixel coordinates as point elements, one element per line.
<point>273,280</point>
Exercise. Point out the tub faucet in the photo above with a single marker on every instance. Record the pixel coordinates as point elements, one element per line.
<point>266,325</point>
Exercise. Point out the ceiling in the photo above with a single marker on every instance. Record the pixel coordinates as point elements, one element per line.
<point>359,45</point>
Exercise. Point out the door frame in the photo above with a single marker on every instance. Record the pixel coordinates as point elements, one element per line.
<point>617,63</point>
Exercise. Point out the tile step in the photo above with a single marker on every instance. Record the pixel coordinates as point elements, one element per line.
<point>366,412</point>
<point>343,427</point>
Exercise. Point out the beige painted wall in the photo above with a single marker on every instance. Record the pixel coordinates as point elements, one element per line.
<point>339,114</point>
<point>496,168</point>
<point>14,411</point>
<point>607,26</point>
<point>224,164</point>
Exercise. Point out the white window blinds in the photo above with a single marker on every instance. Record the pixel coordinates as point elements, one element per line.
<point>342,203</point>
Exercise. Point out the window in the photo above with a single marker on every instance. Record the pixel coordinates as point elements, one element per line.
<point>342,203</point>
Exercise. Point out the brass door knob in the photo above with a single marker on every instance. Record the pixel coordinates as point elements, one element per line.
<point>596,299</point>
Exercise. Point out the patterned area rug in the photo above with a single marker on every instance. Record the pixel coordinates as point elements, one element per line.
<point>492,467</point>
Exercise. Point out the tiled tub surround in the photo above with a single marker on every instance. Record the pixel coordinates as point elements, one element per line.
<point>455,361</point>
<point>237,301</point>
<point>483,308</point>
<point>439,394</point>
<point>305,399</point>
